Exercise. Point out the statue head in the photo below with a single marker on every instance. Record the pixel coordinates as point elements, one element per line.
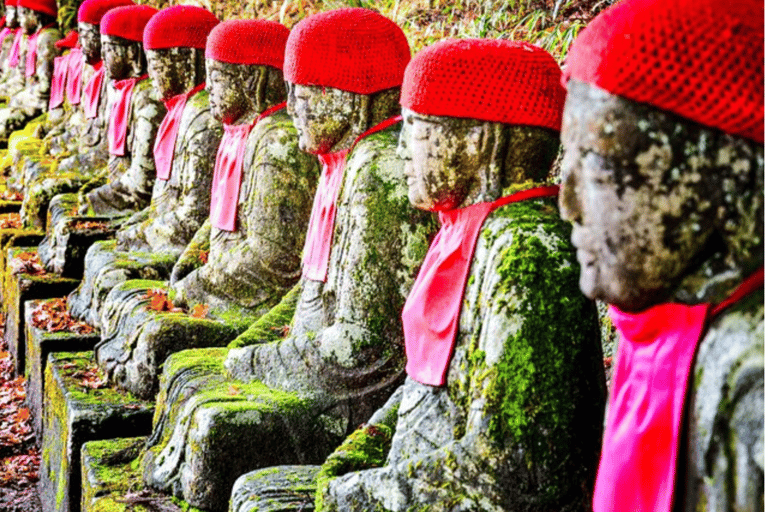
<point>122,30</point>
<point>343,70</point>
<point>174,41</point>
<point>89,16</point>
<point>36,14</point>
<point>11,17</point>
<point>663,153</point>
<point>470,133</point>
<point>244,68</point>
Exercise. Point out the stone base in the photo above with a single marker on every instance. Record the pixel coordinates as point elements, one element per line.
<point>18,289</point>
<point>74,415</point>
<point>40,343</point>
<point>70,243</point>
<point>277,489</point>
<point>10,238</point>
<point>10,206</point>
<point>112,482</point>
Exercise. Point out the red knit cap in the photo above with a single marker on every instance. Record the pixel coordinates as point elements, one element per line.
<point>70,41</point>
<point>45,6</point>
<point>179,26</point>
<point>356,50</point>
<point>127,22</point>
<point>493,80</point>
<point>11,3</point>
<point>248,42</point>
<point>91,11</point>
<point>700,59</point>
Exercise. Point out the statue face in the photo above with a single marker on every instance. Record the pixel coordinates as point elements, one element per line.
<point>11,17</point>
<point>228,96</point>
<point>442,159</point>
<point>114,52</point>
<point>322,115</point>
<point>90,42</point>
<point>28,20</point>
<point>170,69</point>
<point>637,192</point>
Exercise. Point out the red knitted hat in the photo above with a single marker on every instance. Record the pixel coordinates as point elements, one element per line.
<point>91,11</point>
<point>356,50</point>
<point>127,22</point>
<point>70,41</point>
<point>179,26</point>
<point>45,6</point>
<point>493,80</point>
<point>700,59</point>
<point>11,3</point>
<point>248,42</point>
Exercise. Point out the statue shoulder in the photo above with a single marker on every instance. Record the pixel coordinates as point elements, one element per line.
<point>276,140</point>
<point>375,157</point>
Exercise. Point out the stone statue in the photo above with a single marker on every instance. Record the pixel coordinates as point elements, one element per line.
<point>330,353</point>
<point>8,38</point>
<point>663,181</point>
<point>249,264</point>
<point>16,59</point>
<point>151,240</point>
<point>506,385</point>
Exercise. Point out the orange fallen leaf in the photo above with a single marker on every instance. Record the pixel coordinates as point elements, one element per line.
<point>200,311</point>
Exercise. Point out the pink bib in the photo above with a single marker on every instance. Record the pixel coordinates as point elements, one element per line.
<point>228,171</point>
<point>121,112</point>
<point>31,63</point>
<point>431,312</point>
<point>5,32</point>
<point>647,400</point>
<point>317,247</point>
<point>75,76</point>
<point>165,142</point>
<point>92,92</point>
<point>13,55</point>
<point>58,80</point>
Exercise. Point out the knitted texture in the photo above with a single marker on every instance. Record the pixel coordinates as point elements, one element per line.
<point>11,3</point>
<point>492,80</point>
<point>91,11</point>
<point>70,41</point>
<point>699,59</point>
<point>127,22</point>
<point>248,42</point>
<point>45,6</point>
<point>179,26</point>
<point>356,50</point>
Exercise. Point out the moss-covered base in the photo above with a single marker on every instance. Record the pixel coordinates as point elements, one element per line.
<point>40,343</point>
<point>16,238</point>
<point>277,489</point>
<point>71,239</point>
<point>10,206</point>
<point>73,415</point>
<point>19,288</point>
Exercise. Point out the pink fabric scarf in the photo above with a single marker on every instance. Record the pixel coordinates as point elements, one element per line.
<point>31,63</point>
<point>165,142</point>
<point>647,400</point>
<point>317,247</point>
<point>58,80</point>
<point>75,76</point>
<point>92,92</point>
<point>431,312</point>
<point>228,172</point>
<point>4,33</point>
<point>14,54</point>
<point>121,113</point>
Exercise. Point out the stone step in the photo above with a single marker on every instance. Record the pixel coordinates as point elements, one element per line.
<point>73,415</point>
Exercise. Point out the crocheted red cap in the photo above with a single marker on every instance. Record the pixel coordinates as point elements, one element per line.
<point>356,50</point>
<point>11,3</point>
<point>179,26</point>
<point>127,22</point>
<point>493,80</point>
<point>45,6</point>
<point>248,42</point>
<point>91,11</point>
<point>700,59</point>
<point>69,41</point>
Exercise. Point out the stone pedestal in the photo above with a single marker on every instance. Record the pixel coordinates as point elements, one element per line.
<point>278,489</point>
<point>71,239</point>
<point>73,415</point>
<point>10,206</point>
<point>40,343</point>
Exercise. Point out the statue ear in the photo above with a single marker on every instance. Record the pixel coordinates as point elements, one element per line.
<point>363,113</point>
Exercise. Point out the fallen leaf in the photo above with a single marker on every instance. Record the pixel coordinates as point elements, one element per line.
<point>200,311</point>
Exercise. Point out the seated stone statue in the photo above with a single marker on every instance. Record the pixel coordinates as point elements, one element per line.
<point>59,109</point>
<point>7,39</point>
<point>663,179</point>
<point>15,64</point>
<point>330,353</point>
<point>502,407</point>
<point>151,241</point>
<point>260,205</point>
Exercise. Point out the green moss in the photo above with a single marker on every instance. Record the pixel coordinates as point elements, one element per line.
<point>272,325</point>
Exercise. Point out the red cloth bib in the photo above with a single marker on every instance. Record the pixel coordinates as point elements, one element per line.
<point>92,92</point>
<point>228,172</point>
<point>317,247</point>
<point>4,33</point>
<point>58,80</point>
<point>31,63</point>
<point>121,112</point>
<point>75,76</point>
<point>431,312</point>
<point>165,142</point>
<point>13,55</point>
<point>647,400</point>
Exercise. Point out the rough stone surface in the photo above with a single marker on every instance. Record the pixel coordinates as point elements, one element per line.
<point>278,489</point>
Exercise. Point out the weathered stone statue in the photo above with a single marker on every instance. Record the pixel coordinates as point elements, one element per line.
<point>502,407</point>
<point>663,181</point>
<point>153,239</point>
<point>260,204</point>
<point>59,109</point>
<point>8,40</point>
<point>330,353</point>
<point>15,63</point>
